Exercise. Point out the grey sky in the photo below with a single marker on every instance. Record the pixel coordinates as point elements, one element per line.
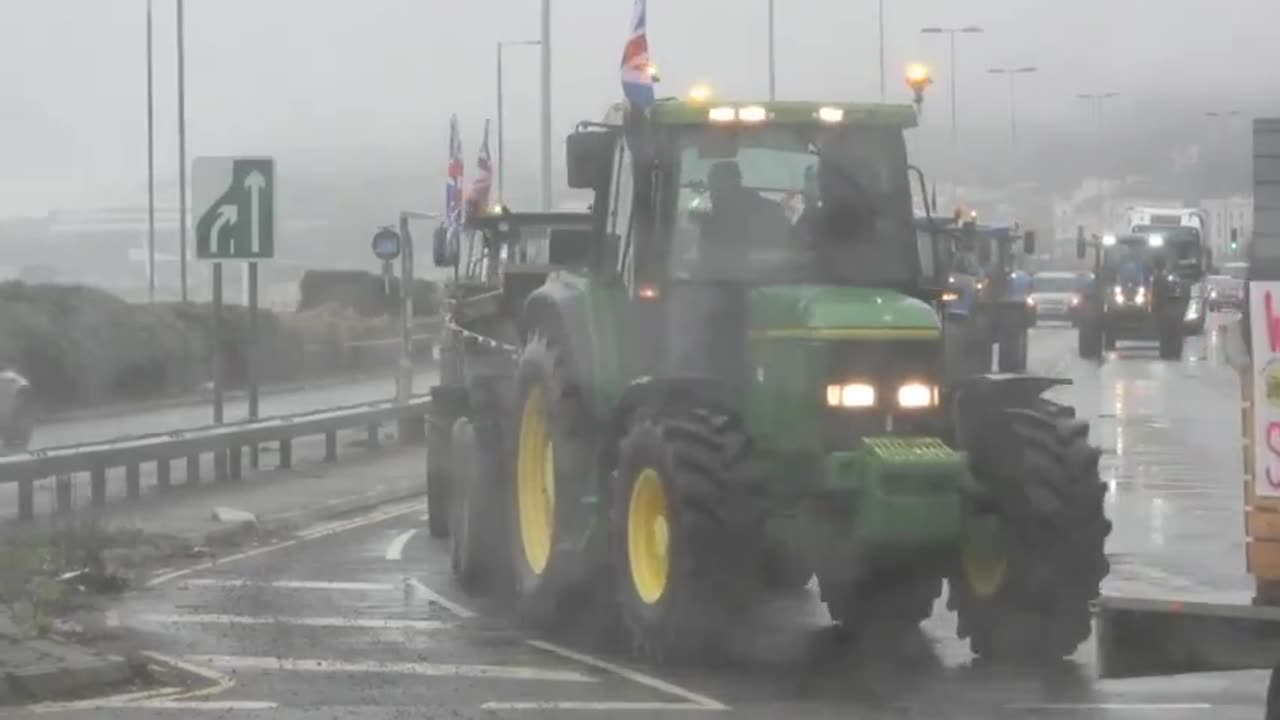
<point>368,82</point>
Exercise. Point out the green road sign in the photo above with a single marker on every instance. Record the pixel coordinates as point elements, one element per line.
<point>234,202</point>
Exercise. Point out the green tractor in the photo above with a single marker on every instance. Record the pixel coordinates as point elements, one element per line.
<point>727,378</point>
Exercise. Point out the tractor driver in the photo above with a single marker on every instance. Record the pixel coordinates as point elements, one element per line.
<point>739,219</point>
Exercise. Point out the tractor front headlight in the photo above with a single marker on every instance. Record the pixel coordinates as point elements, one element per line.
<point>851,395</point>
<point>917,395</point>
<point>950,295</point>
<point>1117,294</point>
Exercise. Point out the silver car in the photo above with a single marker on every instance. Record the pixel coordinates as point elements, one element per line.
<point>1055,295</point>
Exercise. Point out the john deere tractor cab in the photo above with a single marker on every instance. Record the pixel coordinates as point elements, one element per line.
<point>710,397</point>
<point>987,298</point>
<point>1141,289</point>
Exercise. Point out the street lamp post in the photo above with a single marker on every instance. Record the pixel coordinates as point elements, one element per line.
<point>182,153</point>
<point>545,43</point>
<point>951,33</point>
<point>502,156</point>
<point>1098,99</point>
<point>1226,116</point>
<point>1013,73</point>
<point>151,167</point>
<point>773,76</point>
<point>880,24</point>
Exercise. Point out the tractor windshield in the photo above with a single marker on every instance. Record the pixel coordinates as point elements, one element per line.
<point>778,204</point>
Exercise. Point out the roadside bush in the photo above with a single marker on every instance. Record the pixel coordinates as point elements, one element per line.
<point>80,346</point>
<point>365,293</point>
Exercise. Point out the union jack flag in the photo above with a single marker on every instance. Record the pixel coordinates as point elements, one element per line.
<point>478,202</point>
<point>453,190</point>
<point>637,70</point>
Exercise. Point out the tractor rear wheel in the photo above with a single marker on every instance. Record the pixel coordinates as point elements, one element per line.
<point>1026,576</point>
<point>550,451</point>
<point>1089,337</point>
<point>684,532</point>
<point>439,476</point>
<point>1171,339</point>
<point>477,534</point>
<point>1012,354</point>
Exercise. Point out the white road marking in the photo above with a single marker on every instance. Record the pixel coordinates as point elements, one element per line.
<point>334,622</point>
<point>634,676</point>
<point>207,705</point>
<point>507,672</point>
<point>311,534</point>
<point>290,584</point>
<point>395,551</point>
<point>102,702</point>
<point>1111,706</point>
<point>432,596</point>
<point>597,706</point>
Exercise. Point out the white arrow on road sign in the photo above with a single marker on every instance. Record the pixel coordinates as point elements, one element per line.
<point>255,182</point>
<point>228,214</point>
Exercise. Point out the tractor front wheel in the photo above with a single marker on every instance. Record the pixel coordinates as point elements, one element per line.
<point>550,451</point>
<point>477,532</point>
<point>1012,354</point>
<point>683,534</point>
<point>1034,558</point>
<point>1171,339</point>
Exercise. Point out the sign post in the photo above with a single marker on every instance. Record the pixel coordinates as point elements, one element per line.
<point>234,202</point>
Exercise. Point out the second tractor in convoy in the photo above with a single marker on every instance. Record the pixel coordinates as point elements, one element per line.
<point>697,398</point>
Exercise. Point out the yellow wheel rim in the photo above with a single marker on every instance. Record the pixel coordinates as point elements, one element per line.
<point>648,537</point>
<point>985,563</point>
<point>536,482</point>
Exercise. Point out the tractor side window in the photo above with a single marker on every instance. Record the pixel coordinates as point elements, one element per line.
<point>624,199</point>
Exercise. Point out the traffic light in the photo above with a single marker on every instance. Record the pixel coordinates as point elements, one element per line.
<point>1235,241</point>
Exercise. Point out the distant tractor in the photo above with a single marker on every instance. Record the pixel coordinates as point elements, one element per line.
<point>1142,289</point>
<point>704,397</point>
<point>988,298</point>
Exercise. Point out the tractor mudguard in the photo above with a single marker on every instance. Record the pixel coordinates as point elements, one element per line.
<point>691,390</point>
<point>579,317</point>
<point>971,399</point>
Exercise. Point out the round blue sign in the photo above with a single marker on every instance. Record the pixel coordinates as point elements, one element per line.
<point>386,244</point>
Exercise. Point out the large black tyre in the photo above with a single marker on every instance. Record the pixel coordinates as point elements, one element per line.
<point>478,534</point>
<point>549,450</point>
<point>1089,338</point>
<point>1030,600</point>
<point>782,570</point>
<point>888,602</point>
<point>1011,357</point>
<point>439,474</point>
<point>1172,338</point>
<point>684,532</point>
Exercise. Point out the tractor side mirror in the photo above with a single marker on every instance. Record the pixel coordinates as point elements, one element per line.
<point>1029,242</point>
<point>588,158</point>
<point>441,254</point>
<point>570,247</point>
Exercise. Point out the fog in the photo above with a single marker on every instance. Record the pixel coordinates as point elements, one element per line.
<point>354,96</point>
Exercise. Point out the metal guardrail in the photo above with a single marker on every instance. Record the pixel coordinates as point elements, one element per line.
<point>227,442</point>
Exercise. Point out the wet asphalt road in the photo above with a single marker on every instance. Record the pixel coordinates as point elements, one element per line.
<point>366,623</point>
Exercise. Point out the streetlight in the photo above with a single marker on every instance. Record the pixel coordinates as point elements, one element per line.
<point>151,167</point>
<point>545,43</point>
<point>1098,98</point>
<point>1012,72</point>
<point>182,153</point>
<point>880,23</point>
<point>951,34</point>
<point>502,157</point>
<point>773,76</point>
